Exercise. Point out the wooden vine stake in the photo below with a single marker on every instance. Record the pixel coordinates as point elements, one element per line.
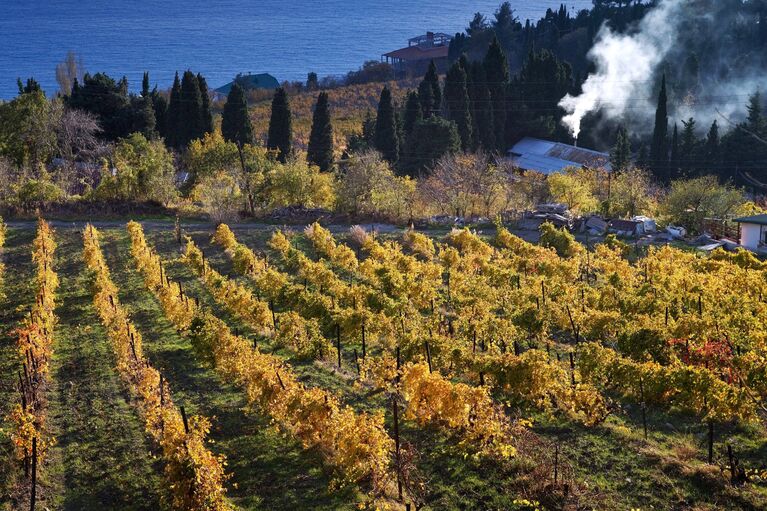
<point>33,496</point>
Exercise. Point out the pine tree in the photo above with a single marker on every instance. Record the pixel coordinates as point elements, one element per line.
<point>482,110</point>
<point>659,146</point>
<point>206,118</point>
<point>320,150</point>
<point>497,78</point>
<point>173,115</point>
<point>620,156</point>
<point>756,122</point>
<point>688,146</point>
<point>457,104</point>
<point>386,140</point>
<point>412,114</point>
<point>280,136</point>
<point>235,120</point>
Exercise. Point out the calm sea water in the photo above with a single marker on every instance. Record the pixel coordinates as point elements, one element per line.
<point>223,37</point>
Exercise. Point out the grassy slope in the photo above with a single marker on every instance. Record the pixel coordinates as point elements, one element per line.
<point>347,109</point>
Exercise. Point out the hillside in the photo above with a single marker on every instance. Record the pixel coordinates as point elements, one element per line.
<point>348,106</point>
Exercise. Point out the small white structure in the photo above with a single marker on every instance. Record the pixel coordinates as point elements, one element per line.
<point>753,232</point>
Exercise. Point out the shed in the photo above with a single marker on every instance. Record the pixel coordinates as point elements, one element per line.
<point>549,157</point>
<point>753,232</point>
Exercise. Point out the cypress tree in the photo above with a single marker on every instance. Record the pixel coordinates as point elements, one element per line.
<point>497,78</point>
<point>280,136</point>
<point>160,106</point>
<point>482,111</point>
<point>712,146</point>
<point>235,121</point>
<point>386,140</point>
<point>320,150</point>
<point>457,103</point>
<point>145,85</point>
<point>431,139</point>
<point>659,146</point>
<point>173,115</point>
<point>432,79</point>
<point>620,156</point>
<point>688,147</point>
<point>674,163</point>
<point>190,118</point>
<point>426,99</point>
<point>206,118</point>
<point>413,113</point>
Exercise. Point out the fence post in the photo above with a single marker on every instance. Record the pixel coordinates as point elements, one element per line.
<point>33,496</point>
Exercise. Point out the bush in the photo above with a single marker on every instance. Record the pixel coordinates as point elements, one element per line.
<point>559,239</point>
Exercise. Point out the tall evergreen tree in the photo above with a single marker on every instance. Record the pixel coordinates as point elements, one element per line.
<point>497,78</point>
<point>457,104</point>
<point>206,117</point>
<point>659,146</point>
<point>320,150</point>
<point>431,139</point>
<point>688,147</point>
<point>386,140</point>
<point>756,121</point>
<point>426,99</point>
<point>620,156</point>
<point>190,117</point>
<point>235,120</point>
<point>145,85</point>
<point>674,161</point>
<point>412,114</point>
<point>432,78</point>
<point>280,136</point>
<point>712,147</point>
<point>160,106</point>
<point>482,109</point>
<point>237,128</point>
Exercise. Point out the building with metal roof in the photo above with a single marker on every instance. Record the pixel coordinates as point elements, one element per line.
<point>549,157</point>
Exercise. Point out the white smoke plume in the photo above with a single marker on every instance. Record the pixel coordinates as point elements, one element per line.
<point>625,66</point>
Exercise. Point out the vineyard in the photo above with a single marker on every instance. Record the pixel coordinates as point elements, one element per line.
<point>159,367</point>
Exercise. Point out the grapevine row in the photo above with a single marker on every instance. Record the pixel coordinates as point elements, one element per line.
<point>30,433</point>
<point>429,398</point>
<point>356,445</point>
<point>194,476</point>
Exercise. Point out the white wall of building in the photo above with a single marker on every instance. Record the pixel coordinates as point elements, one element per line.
<point>751,236</point>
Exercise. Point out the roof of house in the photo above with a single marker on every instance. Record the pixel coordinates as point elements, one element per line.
<point>249,81</point>
<point>413,53</point>
<point>549,157</point>
<point>755,219</point>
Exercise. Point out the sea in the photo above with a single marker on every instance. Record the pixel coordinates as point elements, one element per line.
<point>220,38</point>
